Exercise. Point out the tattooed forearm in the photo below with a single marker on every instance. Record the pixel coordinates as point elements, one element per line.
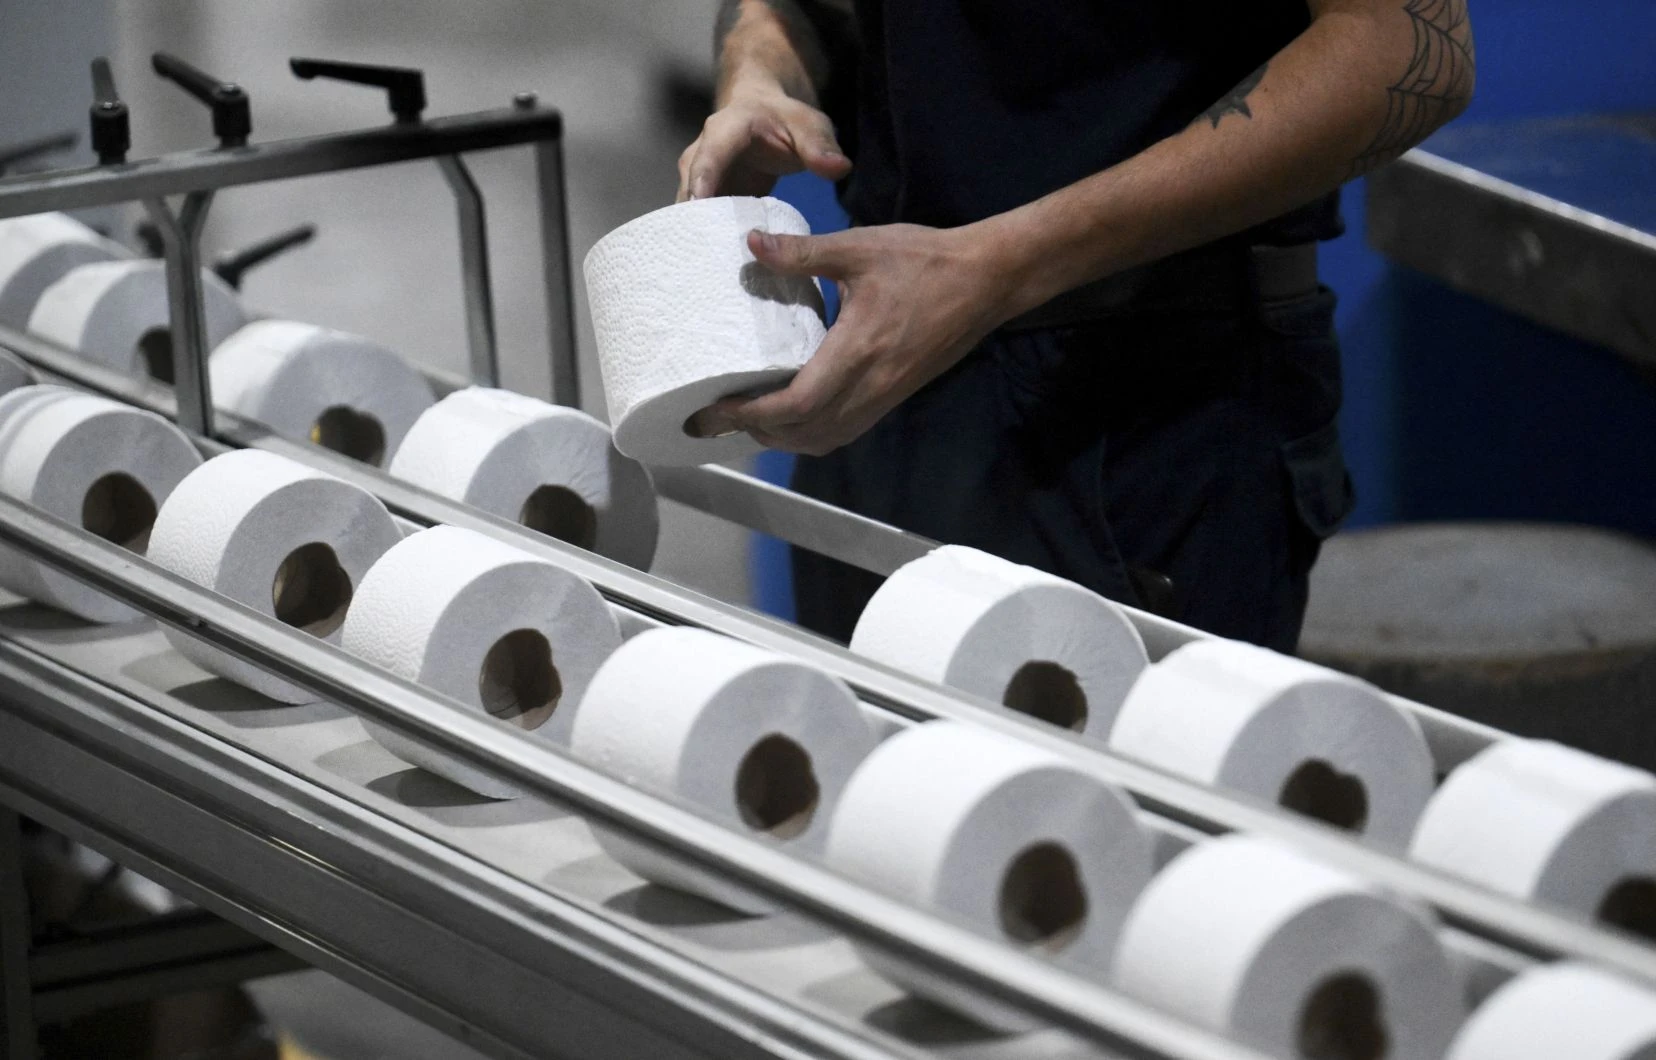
<point>1436,86</point>
<point>1236,100</point>
<point>796,24</point>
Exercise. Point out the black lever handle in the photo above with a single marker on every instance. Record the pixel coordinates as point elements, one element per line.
<point>404,86</point>
<point>111,129</point>
<point>233,266</point>
<point>16,154</point>
<point>232,113</point>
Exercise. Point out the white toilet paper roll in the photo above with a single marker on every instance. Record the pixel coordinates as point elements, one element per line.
<point>1243,717</point>
<point>97,463</point>
<point>277,536</point>
<point>1002,837</point>
<point>753,740</point>
<point>548,467</point>
<point>1251,939</point>
<point>1561,1010</point>
<point>1547,823</point>
<point>14,374</point>
<point>487,624</point>
<point>36,252</point>
<point>684,316</point>
<point>1037,643</point>
<point>116,313</point>
<point>341,391</point>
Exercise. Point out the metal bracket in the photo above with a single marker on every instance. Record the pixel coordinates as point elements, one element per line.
<point>181,236</point>
<point>474,271</point>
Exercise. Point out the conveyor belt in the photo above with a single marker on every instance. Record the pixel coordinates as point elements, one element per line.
<point>1529,930</point>
<point>503,923</point>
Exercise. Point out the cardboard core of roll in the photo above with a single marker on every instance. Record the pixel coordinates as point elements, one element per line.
<point>118,508</point>
<point>560,512</point>
<point>1631,906</point>
<point>776,787</point>
<point>311,591</point>
<point>351,432</point>
<point>1316,789</point>
<point>518,682</point>
<point>1342,1020</point>
<point>155,350</point>
<point>1049,692</point>
<point>1042,901</point>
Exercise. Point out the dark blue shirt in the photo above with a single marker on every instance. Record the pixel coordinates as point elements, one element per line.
<point>955,110</point>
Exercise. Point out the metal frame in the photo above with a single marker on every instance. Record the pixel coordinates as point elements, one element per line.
<point>196,175</point>
<point>1528,253</point>
<point>903,933</point>
<point>1530,931</point>
<point>908,935</point>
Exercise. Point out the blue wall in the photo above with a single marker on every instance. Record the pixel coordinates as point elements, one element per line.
<point>1455,409</point>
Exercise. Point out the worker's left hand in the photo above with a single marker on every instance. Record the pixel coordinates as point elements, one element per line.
<point>913,301</point>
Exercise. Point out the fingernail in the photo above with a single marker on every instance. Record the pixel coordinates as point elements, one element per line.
<point>698,188</point>
<point>767,242</point>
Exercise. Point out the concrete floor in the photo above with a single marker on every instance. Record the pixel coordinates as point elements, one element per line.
<point>386,263</point>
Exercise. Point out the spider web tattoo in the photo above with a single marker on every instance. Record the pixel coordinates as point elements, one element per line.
<point>1437,83</point>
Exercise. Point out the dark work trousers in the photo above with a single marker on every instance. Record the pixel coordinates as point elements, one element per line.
<point>1196,441</point>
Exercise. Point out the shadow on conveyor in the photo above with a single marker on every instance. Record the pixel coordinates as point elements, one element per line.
<point>54,627</point>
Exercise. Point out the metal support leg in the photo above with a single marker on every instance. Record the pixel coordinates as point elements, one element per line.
<point>181,236</point>
<point>474,272</point>
<point>560,295</point>
<point>17,1031</point>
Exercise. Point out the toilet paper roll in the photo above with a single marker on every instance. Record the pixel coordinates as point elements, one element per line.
<point>14,373</point>
<point>1037,643</point>
<point>280,537</point>
<point>548,467</point>
<point>36,252</point>
<point>340,391</point>
<point>505,633</point>
<point>116,313</point>
<point>1547,823</point>
<point>1561,1010</point>
<point>1242,717</point>
<point>751,739</point>
<point>1004,838</point>
<point>99,464</point>
<point>684,315</point>
<point>1251,939</point>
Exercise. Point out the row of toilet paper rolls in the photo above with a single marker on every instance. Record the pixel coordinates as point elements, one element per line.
<point>1239,934</point>
<point>551,468</point>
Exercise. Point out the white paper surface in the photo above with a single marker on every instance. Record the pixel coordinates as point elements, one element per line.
<point>684,315</point>
<point>494,449</point>
<point>233,522</point>
<point>56,445</point>
<point>437,603</point>
<point>679,711</point>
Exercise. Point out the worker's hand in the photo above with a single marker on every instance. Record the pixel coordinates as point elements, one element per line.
<point>761,133</point>
<point>913,301</point>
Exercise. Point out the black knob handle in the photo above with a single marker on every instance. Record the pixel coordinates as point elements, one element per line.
<point>234,265</point>
<point>404,86</point>
<point>111,129</point>
<point>232,113</point>
<point>17,154</point>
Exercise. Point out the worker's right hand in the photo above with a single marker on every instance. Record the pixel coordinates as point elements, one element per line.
<point>761,133</point>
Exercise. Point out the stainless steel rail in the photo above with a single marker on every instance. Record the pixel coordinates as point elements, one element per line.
<point>880,548</point>
<point>1530,931</point>
<point>908,935</point>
